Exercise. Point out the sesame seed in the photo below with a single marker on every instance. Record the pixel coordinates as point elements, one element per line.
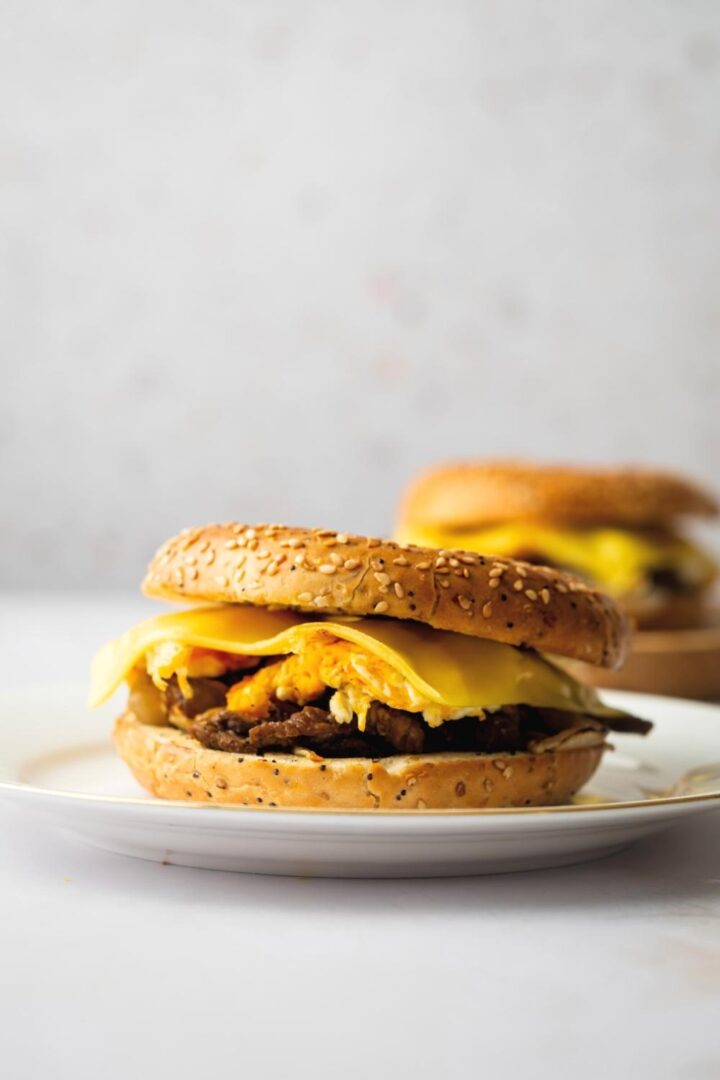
<point>342,538</point>
<point>496,572</point>
<point>545,594</point>
<point>507,773</point>
<point>295,542</point>
<point>444,583</point>
<point>487,610</point>
<point>372,543</point>
<point>210,558</point>
<point>351,564</point>
<point>517,585</point>
<point>304,597</point>
<point>328,568</point>
<point>252,544</point>
<point>401,561</point>
<point>422,565</point>
<point>381,606</point>
<point>499,764</point>
<point>319,601</point>
<point>336,559</point>
<point>272,569</point>
<point>531,594</point>
<point>560,587</point>
<point>263,554</point>
<point>521,571</point>
<point>440,561</point>
<point>494,583</point>
<point>442,569</point>
<point>190,560</point>
<point>464,601</point>
<point>488,785</point>
<point>469,560</point>
<point>193,573</point>
<point>398,590</point>
<point>231,543</point>
<point>178,576</point>
<point>454,562</point>
<point>250,534</point>
<point>299,559</point>
<point>382,578</point>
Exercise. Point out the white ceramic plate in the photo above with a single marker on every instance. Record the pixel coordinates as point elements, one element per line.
<point>56,762</point>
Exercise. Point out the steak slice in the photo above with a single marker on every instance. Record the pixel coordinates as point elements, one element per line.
<point>310,724</point>
<point>402,730</point>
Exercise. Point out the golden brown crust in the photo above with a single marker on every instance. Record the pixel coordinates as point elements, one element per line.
<point>467,494</point>
<point>321,571</point>
<point>173,765</point>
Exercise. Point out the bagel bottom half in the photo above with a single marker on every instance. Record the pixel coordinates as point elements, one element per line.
<point>173,765</point>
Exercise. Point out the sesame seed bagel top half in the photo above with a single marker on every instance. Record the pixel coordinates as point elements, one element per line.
<point>319,571</point>
<point>475,493</point>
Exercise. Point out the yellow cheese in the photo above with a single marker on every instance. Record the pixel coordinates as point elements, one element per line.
<point>617,559</point>
<point>444,669</point>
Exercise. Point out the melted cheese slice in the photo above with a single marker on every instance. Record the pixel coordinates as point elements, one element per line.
<point>618,559</point>
<point>441,668</point>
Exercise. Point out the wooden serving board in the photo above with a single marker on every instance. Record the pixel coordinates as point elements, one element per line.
<point>678,663</point>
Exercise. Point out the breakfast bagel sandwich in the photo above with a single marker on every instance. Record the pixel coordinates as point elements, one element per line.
<point>312,668</point>
<point>617,528</point>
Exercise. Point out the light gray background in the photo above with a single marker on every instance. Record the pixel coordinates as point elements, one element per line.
<point>262,259</point>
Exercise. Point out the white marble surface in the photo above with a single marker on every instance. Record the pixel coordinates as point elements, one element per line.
<point>113,967</point>
<point>263,259</point>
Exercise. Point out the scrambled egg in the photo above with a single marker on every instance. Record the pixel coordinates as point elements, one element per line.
<point>190,662</point>
<point>357,677</point>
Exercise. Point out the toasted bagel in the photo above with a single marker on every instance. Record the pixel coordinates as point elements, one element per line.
<point>466,494</point>
<point>322,571</point>
<point>173,765</point>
